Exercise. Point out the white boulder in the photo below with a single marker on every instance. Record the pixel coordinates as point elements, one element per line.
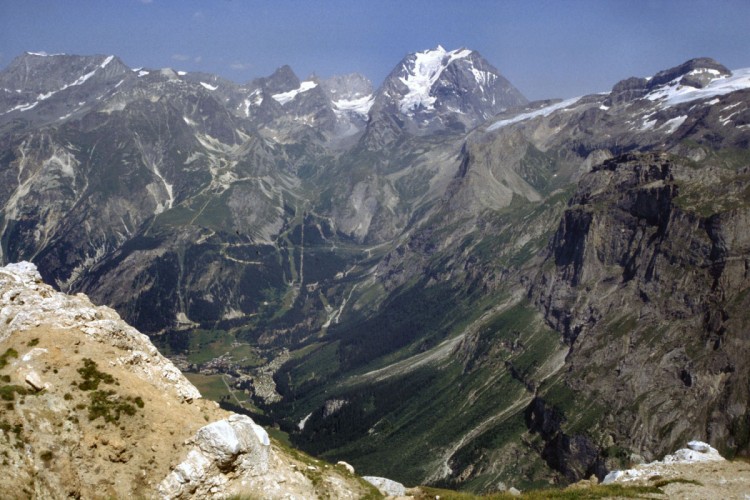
<point>386,486</point>
<point>235,446</point>
<point>346,466</point>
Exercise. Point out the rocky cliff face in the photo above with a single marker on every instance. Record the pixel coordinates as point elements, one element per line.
<point>91,410</point>
<point>646,280</point>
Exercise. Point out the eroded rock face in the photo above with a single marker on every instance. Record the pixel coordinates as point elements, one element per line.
<point>646,279</point>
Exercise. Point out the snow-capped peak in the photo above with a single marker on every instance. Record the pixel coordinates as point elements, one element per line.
<point>425,71</point>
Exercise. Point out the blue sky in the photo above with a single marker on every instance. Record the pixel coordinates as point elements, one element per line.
<point>546,48</point>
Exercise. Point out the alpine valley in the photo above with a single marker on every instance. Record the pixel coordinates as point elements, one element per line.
<point>436,281</point>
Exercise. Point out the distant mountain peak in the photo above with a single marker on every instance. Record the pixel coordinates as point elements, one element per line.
<point>439,89</point>
<point>282,80</point>
<point>690,80</point>
<point>698,71</point>
<point>422,71</point>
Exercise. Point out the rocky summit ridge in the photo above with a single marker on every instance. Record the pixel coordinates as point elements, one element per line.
<point>90,409</point>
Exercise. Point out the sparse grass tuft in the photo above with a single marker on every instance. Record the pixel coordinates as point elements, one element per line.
<point>575,493</point>
<point>92,376</point>
<point>109,406</point>
<point>679,480</point>
<point>9,353</point>
<point>8,392</point>
<point>106,404</point>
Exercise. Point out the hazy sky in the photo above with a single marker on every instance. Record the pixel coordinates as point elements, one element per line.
<point>546,48</point>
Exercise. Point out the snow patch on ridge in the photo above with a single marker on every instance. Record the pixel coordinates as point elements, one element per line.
<point>106,61</point>
<point>360,105</point>
<point>303,422</point>
<point>286,97</point>
<point>44,54</point>
<point>209,86</point>
<point>483,78</point>
<point>43,97</point>
<point>546,111</point>
<point>674,123</point>
<point>254,99</point>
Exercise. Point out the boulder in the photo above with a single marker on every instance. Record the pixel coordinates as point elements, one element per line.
<point>386,486</point>
<point>34,380</point>
<point>235,445</point>
<point>697,451</point>
<point>346,466</point>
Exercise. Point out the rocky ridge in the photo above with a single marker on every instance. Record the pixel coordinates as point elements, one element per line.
<point>92,410</point>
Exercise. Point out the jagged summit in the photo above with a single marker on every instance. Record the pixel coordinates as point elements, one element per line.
<point>696,72</point>
<point>419,72</point>
<point>282,80</point>
<point>440,89</point>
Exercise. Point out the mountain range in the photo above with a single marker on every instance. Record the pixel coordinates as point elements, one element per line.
<point>435,280</point>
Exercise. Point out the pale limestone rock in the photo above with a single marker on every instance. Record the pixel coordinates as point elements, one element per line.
<point>697,451</point>
<point>386,486</point>
<point>236,446</point>
<point>34,380</point>
<point>228,457</point>
<point>700,446</point>
<point>346,466</point>
<point>35,352</point>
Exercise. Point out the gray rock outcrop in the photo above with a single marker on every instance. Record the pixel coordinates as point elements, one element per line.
<point>648,269</point>
<point>236,446</point>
